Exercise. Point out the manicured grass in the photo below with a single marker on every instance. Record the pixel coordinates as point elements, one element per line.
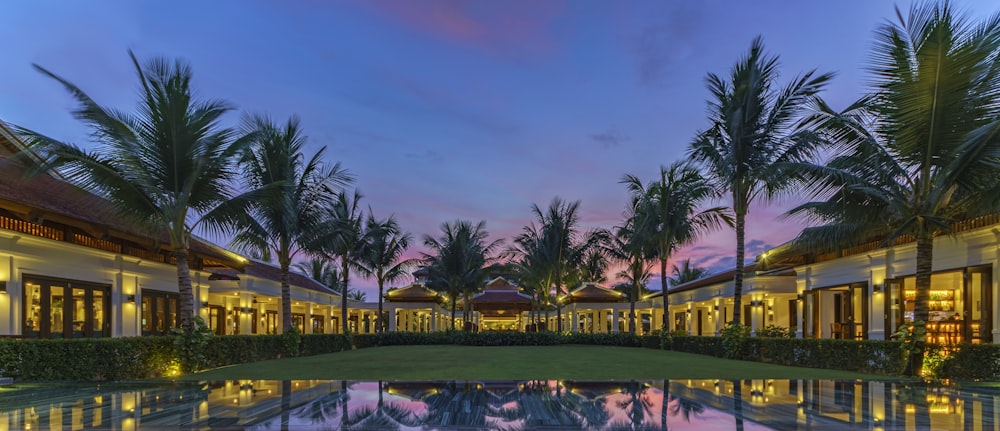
<point>513,363</point>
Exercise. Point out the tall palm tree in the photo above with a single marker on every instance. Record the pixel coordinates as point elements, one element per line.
<point>685,273</point>
<point>753,136</point>
<point>530,268</point>
<point>668,212</point>
<point>382,256</point>
<point>285,219</point>
<point>920,152</point>
<point>342,236</point>
<point>168,165</point>
<point>561,245</point>
<point>322,271</point>
<point>632,249</point>
<point>458,259</point>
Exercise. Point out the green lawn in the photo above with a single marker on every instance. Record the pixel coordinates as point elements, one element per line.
<point>513,363</point>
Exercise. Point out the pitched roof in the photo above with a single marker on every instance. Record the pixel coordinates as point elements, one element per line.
<point>47,197</point>
<point>272,272</point>
<point>593,292</point>
<point>413,292</point>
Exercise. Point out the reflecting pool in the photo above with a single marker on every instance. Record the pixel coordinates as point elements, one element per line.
<point>500,405</point>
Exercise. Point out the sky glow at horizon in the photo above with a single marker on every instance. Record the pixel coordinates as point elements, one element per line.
<point>450,110</point>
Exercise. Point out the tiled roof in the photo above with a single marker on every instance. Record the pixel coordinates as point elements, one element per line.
<point>271,272</point>
<point>51,198</point>
<point>414,292</point>
<point>592,292</point>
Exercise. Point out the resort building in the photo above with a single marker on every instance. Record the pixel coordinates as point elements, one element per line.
<point>702,307</point>
<point>862,292</point>
<point>71,267</point>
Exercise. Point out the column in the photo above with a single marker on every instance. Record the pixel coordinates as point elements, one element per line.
<point>392,318</point>
<point>307,325</point>
<point>434,319</point>
<point>689,316</point>
<point>576,319</point>
<point>717,318</point>
<point>601,321</point>
<point>616,320</point>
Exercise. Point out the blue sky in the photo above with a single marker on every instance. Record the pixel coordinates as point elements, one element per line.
<point>449,110</point>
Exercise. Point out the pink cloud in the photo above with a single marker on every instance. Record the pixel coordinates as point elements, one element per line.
<point>498,27</point>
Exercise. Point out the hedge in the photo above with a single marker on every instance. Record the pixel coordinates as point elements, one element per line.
<point>971,362</point>
<point>132,358</point>
<point>147,357</point>
<point>869,356</point>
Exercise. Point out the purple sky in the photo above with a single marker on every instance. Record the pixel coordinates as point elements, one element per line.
<point>451,110</point>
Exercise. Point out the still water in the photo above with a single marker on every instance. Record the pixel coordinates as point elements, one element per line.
<point>501,405</point>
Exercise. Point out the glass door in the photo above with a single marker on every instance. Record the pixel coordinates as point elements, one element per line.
<point>977,310</point>
<point>894,306</point>
<point>55,308</point>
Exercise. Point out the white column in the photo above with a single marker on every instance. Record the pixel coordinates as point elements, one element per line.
<point>717,320</point>
<point>575,320</point>
<point>616,320</point>
<point>392,318</point>
<point>689,316</point>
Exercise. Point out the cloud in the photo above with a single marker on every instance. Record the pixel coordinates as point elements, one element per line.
<point>755,247</point>
<point>666,43</point>
<point>610,138</point>
<point>506,29</point>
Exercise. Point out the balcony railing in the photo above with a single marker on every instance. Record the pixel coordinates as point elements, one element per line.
<point>35,229</point>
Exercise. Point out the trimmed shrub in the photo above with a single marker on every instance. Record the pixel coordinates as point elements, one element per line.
<point>971,361</point>
<point>87,359</point>
<point>650,341</point>
<point>711,346</point>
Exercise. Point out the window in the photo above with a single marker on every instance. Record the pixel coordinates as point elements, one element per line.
<point>59,308</point>
<point>159,312</point>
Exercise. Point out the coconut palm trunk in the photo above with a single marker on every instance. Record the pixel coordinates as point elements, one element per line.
<point>666,293</point>
<point>921,313</point>
<point>740,256</point>
<point>631,309</point>
<point>344,278</point>
<point>184,288</point>
<point>286,296</point>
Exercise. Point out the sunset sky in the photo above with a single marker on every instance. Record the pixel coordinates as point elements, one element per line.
<point>449,110</point>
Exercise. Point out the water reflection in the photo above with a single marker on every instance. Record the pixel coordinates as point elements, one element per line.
<point>500,405</point>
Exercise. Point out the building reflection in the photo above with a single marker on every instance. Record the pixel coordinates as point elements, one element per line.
<point>512,405</point>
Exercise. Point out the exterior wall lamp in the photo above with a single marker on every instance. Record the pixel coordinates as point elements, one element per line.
<point>3,287</point>
<point>130,298</point>
<point>878,287</point>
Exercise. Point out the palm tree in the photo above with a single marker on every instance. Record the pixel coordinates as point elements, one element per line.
<point>632,249</point>
<point>382,256</point>
<point>560,245</point>
<point>357,295</point>
<point>668,212</point>
<point>920,151</point>
<point>593,268</point>
<point>322,271</point>
<point>752,137</point>
<point>531,270</point>
<point>686,273</point>
<point>342,236</point>
<point>168,166</point>
<point>458,259</point>
<point>284,220</point>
